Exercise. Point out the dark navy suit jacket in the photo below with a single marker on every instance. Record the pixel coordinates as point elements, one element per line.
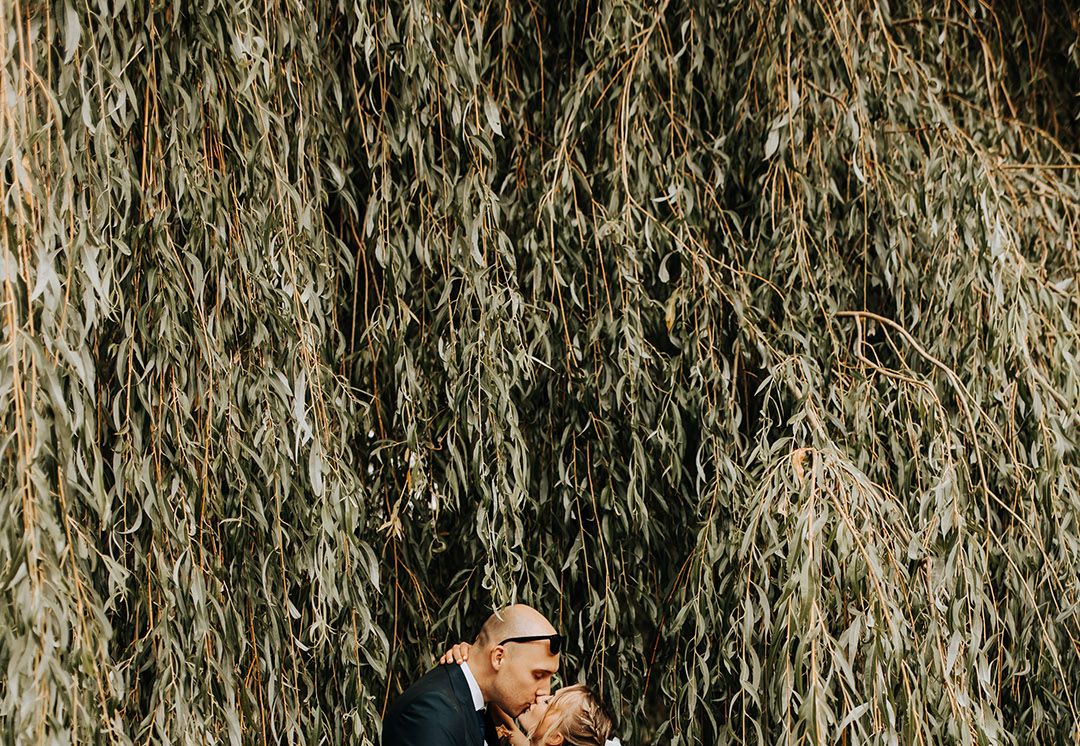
<point>437,710</point>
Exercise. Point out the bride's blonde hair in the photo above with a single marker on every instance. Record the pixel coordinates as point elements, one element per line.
<point>580,717</point>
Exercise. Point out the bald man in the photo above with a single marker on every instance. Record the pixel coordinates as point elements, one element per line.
<point>510,665</point>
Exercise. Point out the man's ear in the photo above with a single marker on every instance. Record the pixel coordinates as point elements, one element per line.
<point>498,654</point>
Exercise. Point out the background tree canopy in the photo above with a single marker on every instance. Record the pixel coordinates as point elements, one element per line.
<point>741,337</point>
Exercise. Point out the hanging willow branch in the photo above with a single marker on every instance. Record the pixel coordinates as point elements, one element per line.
<point>741,337</point>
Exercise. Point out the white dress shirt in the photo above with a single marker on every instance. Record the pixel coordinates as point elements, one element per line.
<point>474,689</point>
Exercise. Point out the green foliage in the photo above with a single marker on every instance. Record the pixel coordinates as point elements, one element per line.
<point>740,337</point>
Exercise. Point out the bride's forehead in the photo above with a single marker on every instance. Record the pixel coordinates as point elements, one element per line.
<point>562,700</point>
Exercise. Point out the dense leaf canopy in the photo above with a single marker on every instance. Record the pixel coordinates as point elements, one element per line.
<point>739,336</point>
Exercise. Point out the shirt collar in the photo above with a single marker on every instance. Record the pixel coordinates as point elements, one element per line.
<point>474,688</point>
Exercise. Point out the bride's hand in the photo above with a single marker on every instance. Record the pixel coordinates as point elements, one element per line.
<point>457,654</point>
<point>509,734</point>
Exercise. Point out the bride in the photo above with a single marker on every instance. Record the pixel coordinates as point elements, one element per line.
<point>573,716</point>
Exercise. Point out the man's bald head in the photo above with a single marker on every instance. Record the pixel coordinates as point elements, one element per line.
<point>518,620</point>
<point>516,674</point>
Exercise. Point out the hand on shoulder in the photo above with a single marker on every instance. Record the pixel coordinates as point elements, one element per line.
<point>459,653</point>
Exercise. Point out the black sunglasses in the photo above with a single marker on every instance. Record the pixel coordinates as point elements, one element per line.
<point>554,640</point>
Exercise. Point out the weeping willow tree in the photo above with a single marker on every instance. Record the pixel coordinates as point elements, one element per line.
<point>740,337</point>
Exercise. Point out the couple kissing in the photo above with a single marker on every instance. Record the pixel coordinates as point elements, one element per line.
<point>475,695</point>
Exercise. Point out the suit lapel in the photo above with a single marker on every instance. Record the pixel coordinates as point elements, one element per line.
<point>475,730</point>
<point>489,730</point>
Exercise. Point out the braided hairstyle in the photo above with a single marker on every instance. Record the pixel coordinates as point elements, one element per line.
<point>578,715</point>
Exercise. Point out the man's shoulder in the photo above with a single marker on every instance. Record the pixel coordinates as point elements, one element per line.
<point>435,685</point>
<point>428,708</point>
